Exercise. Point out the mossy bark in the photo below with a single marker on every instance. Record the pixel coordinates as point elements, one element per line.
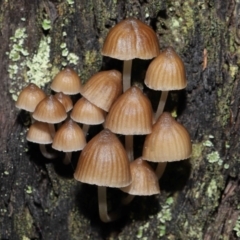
<point>200,197</point>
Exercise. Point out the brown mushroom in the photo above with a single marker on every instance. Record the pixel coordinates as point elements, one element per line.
<point>130,39</point>
<point>104,162</point>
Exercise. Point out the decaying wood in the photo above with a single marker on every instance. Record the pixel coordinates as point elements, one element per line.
<point>200,198</point>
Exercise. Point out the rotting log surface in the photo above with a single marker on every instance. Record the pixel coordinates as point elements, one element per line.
<point>200,197</point>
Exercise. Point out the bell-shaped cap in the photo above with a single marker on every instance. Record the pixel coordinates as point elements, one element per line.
<point>67,81</point>
<point>50,110</point>
<point>103,88</point>
<point>39,132</point>
<point>104,162</point>
<point>166,72</point>
<point>144,179</point>
<point>29,97</point>
<point>131,114</point>
<point>69,137</point>
<point>87,113</point>
<point>131,39</point>
<point>65,100</point>
<point>169,141</point>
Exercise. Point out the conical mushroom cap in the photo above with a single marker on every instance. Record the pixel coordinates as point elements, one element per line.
<point>65,100</point>
<point>87,113</point>
<point>131,39</point>
<point>29,97</point>
<point>103,88</point>
<point>131,114</point>
<point>104,162</point>
<point>50,110</point>
<point>166,72</point>
<point>169,141</point>
<point>144,179</point>
<point>69,138</point>
<point>39,133</point>
<point>67,81</point>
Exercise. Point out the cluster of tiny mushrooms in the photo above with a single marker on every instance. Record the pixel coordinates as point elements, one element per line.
<point>103,160</point>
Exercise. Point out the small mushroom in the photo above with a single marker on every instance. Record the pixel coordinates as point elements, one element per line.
<point>39,132</point>
<point>168,142</point>
<point>131,114</point>
<point>88,114</point>
<point>51,111</point>
<point>67,81</point>
<point>166,72</point>
<point>104,162</point>
<point>69,138</point>
<point>130,39</point>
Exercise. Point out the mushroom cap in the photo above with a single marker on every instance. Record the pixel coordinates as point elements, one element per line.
<point>166,72</point>
<point>29,97</point>
<point>131,39</point>
<point>39,132</point>
<point>103,88</point>
<point>65,100</point>
<point>87,113</point>
<point>104,162</point>
<point>144,179</point>
<point>67,81</point>
<point>50,110</point>
<point>169,141</point>
<point>131,114</point>
<point>69,137</point>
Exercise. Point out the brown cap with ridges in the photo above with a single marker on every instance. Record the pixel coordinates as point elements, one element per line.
<point>103,88</point>
<point>65,100</point>
<point>104,162</point>
<point>67,81</point>
<point>50,110</point>
<point>39,133</point>
<point>69,137</point>
<point>169,141</point>
<point>166,72</point>
<point>144,179</point>
<point>131,39</point>
<point>29,97</point>
<point>87,113</point>
<point>131,114</point>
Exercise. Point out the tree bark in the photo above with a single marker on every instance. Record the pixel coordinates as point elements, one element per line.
<point>199,197</point>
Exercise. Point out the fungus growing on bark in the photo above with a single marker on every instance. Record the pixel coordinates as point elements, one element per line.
<point>104,162</point>
<point>168,142</point>
<point>103,88</point>
<point>88,114</point>
<point>67,81</point>
<point>130,115</point>
<point>39,133</point>
<point>130,39</point>
<point>51,111</point>
<point>166,72</point>
<point>69,138</point>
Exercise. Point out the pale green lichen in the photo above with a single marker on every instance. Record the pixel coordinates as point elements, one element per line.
<point>24,68</point>
<point>207,143</point>
<point>164,216</point>
<point>212,188</point>
<point>141,230</point>
<point>46,24</point>
<point>214,157</point>
<point>237,227</point>
<point>28,190</point>
<point>70,2</point>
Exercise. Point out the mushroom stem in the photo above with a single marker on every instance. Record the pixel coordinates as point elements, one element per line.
<point>67,158</point>
<point>85,129</point>
<point>45,153</point>
<point>161,104</point>
<point>160,169</point>
<point>102,205</point>
<point>127,69</point>
<point>129,147</point>
<point>52,129</point>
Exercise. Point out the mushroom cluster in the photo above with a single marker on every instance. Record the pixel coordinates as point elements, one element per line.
<point>109,99</point>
